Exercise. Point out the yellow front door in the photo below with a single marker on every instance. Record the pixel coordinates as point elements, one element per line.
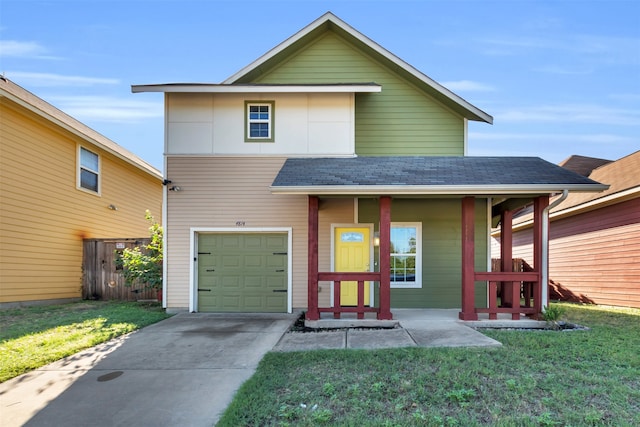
<point>352,254</point>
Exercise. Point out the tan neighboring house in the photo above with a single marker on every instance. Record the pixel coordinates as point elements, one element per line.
<point>60,183</point>
<point>594,238</point>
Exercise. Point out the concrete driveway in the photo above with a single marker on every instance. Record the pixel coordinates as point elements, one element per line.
<point>182,371</point>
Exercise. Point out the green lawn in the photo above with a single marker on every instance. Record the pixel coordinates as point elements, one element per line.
<point>35,336</point>
<point>538,378</point>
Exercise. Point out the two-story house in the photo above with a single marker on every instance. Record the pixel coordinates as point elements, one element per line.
<point>62,184</point>
<point>331,175</point>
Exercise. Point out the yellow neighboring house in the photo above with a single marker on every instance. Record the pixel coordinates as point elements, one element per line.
<point>61,182</point>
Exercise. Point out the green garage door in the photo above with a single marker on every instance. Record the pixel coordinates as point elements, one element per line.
<point>240,272</point>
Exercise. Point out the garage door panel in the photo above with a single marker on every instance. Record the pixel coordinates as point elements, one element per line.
<point>276,242</point>
<point>276,262</point>
<point>230,282</point>
<point>254,261</point>
<point>229,241</point>
<point>242,272</point>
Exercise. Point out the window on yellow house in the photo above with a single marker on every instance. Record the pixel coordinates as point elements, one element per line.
<point>89,170</point>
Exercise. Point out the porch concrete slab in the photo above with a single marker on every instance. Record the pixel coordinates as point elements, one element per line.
<point>507,324</point>
<point>378,338</point>
<point>301,341</point>
<point>453,336</point>
<point>351,323</point>
<point>440,328</point>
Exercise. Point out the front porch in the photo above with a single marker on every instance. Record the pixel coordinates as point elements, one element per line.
<point>502,285</point>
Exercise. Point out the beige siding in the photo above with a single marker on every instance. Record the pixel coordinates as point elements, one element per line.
<point>317,124</point>
<point>44,217</point>
<point>218,192</point>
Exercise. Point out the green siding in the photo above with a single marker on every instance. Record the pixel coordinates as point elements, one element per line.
<point>441,249</point>
<point>401,120</point>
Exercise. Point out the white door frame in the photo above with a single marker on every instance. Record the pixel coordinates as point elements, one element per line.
<point>371,254</point>
<point>193,244</point>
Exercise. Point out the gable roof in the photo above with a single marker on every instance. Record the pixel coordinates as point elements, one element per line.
<point>582,164</point>
<point>621,177</point>
<point>330,22</point>
<point>427,175</point>
<point>26,99</point>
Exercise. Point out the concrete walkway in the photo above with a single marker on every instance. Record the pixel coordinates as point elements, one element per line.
<point>418,328</point>
<point>184,371</point>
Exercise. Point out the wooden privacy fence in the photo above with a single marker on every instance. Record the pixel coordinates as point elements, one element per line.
<point>102,277</point>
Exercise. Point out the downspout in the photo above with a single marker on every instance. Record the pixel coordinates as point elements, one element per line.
<point>164,239</point>
<point>544,268</point>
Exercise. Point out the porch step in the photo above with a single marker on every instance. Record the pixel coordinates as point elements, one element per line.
<point>351,323</point>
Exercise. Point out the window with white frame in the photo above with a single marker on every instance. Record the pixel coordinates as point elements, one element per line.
<point>259,121</point>
<point>406,255</point>
<point>88,170</point>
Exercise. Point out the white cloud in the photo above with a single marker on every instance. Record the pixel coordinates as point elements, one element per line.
<point>553,147</point>
<point>607,50</point>
<point>108,109</point>
<point>563,70</point>
<point>625,96</point>
<point>571,113</point>
<point>20,49</point>
<point>467,86</point>
<point>56,80</point>
<point>601,138</point>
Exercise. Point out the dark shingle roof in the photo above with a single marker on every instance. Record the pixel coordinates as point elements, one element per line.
<point>510,173</point>
<point>582,164</point>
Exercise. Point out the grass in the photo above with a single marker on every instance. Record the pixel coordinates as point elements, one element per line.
<point>538,378</point>
<point>32,337</point>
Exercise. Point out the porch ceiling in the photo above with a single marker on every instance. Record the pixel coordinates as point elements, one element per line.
<point>481,176</point>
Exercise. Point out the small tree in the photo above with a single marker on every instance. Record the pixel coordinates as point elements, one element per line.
<point>144,266</point>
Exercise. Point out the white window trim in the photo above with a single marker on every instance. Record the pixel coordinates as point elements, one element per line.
<point>193,244</point>
<point>79,168</point>
<point>418,283</point>
<point>269,121</point>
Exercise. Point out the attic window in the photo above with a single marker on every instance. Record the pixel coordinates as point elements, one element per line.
<point>259,121</point>
<point>88,170</point>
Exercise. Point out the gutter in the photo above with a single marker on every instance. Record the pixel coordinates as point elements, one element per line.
<point>544,268</point>
<point>449,190</point>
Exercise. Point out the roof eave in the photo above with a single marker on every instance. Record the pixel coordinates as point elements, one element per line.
<point>227,88</point>
<point>138,162</point>
<point>439,190</point>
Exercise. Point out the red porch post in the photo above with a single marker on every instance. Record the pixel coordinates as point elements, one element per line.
<point>312,262</point>
<point>468,257</point>
<point>506,256</point>
<point>385,259</point>
<point>539,205</point>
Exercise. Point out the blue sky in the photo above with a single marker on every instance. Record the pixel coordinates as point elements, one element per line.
<point>559,77</point>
